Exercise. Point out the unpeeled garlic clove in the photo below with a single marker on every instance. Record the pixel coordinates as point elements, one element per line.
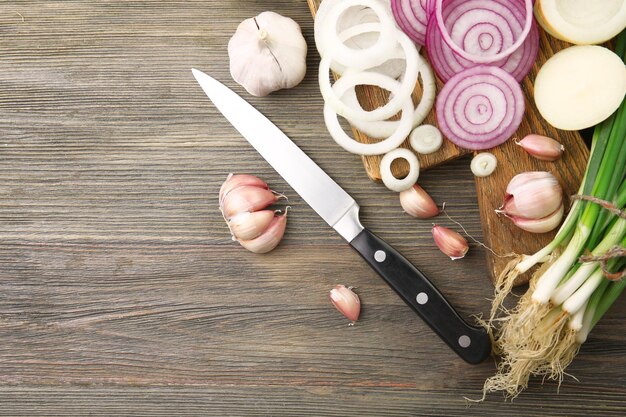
<point>247,198</point>
<point>542,225</point>
<point>346,301</point>
<point>248,225</point>
<point>532,195</point>
<point>542,147</point>
<point>450,242</point>
<point>270,238</point>
<point>417,203</point>
<point>237,180</point>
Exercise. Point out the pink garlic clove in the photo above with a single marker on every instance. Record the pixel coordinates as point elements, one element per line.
<point>532,195</point>
<point>246,225</point>
<point>450,242</point>
<point>247,198</point>
<point>542,147</point>
<point>543,225</point>
<point>417,203</point>
<point>346,301</point>
<point>270,238</point>
<point>237,180</point>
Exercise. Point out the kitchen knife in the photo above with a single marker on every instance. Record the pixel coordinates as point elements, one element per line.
<point>341,212</point>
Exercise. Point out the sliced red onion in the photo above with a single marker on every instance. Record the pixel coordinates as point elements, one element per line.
<point>447,63</point>
<point>483,31</point>
<point>411,18</point>
<point>480,107</point>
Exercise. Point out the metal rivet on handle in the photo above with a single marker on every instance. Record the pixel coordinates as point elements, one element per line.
<point>464,341</point>
<point>422,298</point>
<point>380,256</point>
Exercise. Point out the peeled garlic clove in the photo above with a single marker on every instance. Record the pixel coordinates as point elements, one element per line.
<point>267,53</point>
<point>247,198</point>
<point>247,225</point>
<point>237,180</point>
<point>346,301</point>
<point>270,238</point>
<point>543,225</point>
<point>450,242</point>
<point>542,147</point>
<point>417,203</point>
<point>532,195</point>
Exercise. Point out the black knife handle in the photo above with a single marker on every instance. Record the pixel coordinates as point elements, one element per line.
<point>469,342</point>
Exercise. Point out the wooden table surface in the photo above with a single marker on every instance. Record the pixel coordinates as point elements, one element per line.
<point>121,292</point>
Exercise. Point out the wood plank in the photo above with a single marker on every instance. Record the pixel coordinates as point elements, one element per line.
<point>120,291</point>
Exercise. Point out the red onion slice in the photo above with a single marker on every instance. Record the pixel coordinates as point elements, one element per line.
<point>411,18</point>
<point>480,107</point>
<point>447,63</point>
<point>483,31</point>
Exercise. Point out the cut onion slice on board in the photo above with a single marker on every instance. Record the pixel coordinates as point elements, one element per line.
<point>447,63</point>
<point>580,86</point>
<point>369,78</point>
<point>483,31</point>
<point>412,18</point>
<point>385,128</point>
<point>480,108</point>
<point>582,22</point>
<point>336,131</point>
<point>363,58</point>
<point>358,30</point>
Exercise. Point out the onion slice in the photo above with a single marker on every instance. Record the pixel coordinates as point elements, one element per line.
<point>347,81</point>
<point>447,63</point>
<point>412,19</point>
<point>385,128</point>
<point>483,31</point>
<point>582,22</point>
<point>480,108</point>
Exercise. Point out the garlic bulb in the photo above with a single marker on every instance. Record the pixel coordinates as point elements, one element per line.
<point>534,201</point>
<point>267,53</point>
<point>243,199</point>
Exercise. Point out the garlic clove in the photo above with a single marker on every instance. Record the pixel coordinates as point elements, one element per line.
<point>270,238</point>
<point>416,202</point>
<point>542,147</point>
<point>346,301</point>
<point>450,242</point>
<point>248,225</point>
<point>247,198</point>
<point>542,225</point>
<point>532,195</point>
<point>237,180</point>
<point>267,53</point>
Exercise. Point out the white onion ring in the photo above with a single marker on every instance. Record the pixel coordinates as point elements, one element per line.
<point>385,128</point>
<point>484,59</point>
<point>357,58</point>
<point>379,148</point>
<point>389,67</point>
<point>393,183</point>
<point>365,78</point>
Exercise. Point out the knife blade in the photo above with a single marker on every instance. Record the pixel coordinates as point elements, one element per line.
<point>341,212</point>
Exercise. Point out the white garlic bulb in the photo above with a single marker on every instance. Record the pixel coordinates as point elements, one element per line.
<point>267,53</point>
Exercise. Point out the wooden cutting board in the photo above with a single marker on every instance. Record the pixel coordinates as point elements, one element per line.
<point>499,233</point>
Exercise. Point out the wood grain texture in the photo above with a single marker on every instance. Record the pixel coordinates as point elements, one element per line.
<point>500,234</point>
<point>120,290</point>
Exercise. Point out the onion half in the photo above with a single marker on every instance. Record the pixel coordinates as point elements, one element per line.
<point>480,108</point>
